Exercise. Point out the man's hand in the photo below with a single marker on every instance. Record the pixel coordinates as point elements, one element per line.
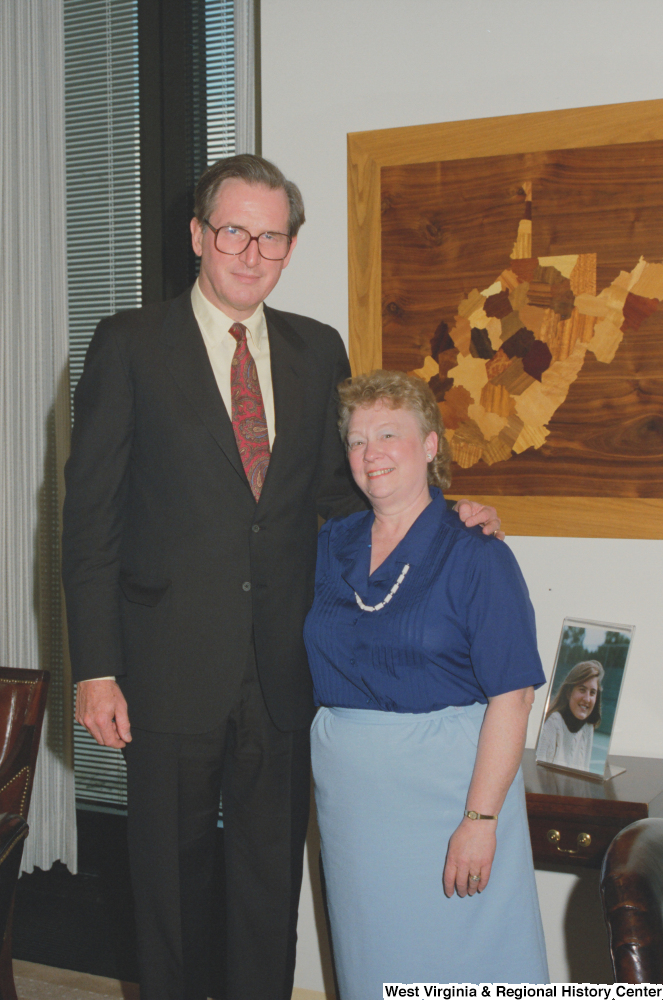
<point>472,513</point>
<point>102,709</point>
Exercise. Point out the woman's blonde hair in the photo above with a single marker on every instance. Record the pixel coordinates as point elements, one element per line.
<point>399,389</point>
<point>581,672</point>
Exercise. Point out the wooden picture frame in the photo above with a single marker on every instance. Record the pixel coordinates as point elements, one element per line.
<point>369,152</point>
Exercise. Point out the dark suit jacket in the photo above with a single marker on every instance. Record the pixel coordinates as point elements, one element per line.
<point>169,565</point>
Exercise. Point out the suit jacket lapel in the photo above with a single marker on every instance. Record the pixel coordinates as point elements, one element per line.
<point>286,351</point>
<point>189,364</point>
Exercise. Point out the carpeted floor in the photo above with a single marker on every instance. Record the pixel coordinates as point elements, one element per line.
<point>41,982</point>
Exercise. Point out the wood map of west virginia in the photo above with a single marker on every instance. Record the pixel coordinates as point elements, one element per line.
<point>526,290</point>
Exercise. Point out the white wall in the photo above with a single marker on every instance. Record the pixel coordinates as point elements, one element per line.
<point>330,67</point>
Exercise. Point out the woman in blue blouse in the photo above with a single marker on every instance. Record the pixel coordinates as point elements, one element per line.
<point>422,646</point>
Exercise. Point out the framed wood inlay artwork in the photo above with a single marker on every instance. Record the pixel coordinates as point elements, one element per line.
<point>516,264</point>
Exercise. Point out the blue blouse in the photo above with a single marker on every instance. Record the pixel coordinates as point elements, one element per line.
<point>460,628</point>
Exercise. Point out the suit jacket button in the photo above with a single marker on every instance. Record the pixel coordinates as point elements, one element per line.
<point>255,527</point>
<point>246,585</point>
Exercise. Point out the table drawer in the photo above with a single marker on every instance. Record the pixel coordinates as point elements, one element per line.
<point>561,840</point>
<point>557,840</point>
<point>574,805</point>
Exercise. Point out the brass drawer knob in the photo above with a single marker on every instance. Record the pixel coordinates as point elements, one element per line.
<point>583,840</point>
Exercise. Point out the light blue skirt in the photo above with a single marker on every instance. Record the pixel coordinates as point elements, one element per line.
<point>390,790</point>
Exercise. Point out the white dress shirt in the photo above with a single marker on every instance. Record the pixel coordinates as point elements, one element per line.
<point>220,343</point>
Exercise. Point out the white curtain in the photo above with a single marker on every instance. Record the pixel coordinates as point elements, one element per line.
<point>34,396</point>
<point>245,75</point>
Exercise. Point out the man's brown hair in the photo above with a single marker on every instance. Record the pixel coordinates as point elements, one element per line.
<point>254,170</point>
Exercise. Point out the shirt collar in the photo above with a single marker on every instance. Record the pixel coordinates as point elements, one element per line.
<point>217,324</point>
<point>353,549</point>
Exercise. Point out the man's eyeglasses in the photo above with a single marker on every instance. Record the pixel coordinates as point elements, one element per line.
<point>233,240</point>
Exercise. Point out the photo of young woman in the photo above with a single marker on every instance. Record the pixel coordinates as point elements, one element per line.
<point>567,734</point>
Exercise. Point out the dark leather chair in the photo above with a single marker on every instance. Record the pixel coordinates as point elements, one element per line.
<point>22,704</point>
<point>632,896</point>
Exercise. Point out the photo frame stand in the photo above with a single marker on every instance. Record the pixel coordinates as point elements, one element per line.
<point>611,771</point>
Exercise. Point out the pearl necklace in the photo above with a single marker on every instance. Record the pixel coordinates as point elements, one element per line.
<point>378,607</point>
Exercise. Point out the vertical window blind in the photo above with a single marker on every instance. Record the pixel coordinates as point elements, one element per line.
<point>103,210</point>
<point>103,236</point>
<point>103,166</point>
<point>220,78</point>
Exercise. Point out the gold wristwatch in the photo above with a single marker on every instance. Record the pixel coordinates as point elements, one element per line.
<point>471,814</point>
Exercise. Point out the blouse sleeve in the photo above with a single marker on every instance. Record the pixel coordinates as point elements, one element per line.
<point>500,621</point>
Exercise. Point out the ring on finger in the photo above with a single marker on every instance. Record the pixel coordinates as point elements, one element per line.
<point>475,878</point>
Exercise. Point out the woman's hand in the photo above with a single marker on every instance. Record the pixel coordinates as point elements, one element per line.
<point>471,852</point>
<point>501,741</point>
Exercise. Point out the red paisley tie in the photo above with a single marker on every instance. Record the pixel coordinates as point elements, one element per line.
<point>248,413</point>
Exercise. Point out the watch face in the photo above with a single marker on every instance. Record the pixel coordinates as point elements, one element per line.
<point>472,814</point>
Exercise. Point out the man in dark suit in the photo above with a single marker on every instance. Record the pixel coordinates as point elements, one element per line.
<point>204,448</point>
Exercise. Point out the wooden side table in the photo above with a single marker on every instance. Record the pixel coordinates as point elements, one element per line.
<point>572,820</point>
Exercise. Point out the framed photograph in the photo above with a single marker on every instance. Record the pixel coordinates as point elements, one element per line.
<point>515,264</point>
<point>583,696</point>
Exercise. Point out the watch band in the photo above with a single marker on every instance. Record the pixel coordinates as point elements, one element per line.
<point>471,814</point>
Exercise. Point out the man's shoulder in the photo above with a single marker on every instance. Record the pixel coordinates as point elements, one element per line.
<point>148,317</point>
<point>307,327</point>
<point>135,332</point>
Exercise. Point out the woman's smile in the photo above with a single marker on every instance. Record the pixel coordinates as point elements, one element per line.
<point>583,698</point>
<point>379,472</point>
<point>379,433</point>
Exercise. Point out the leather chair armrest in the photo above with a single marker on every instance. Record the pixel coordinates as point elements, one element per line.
<point>13,829</point>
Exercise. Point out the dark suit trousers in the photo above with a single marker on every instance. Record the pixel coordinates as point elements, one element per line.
<point>174,782</point>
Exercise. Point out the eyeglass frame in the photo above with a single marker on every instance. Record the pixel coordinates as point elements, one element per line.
<point>228,253</point>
